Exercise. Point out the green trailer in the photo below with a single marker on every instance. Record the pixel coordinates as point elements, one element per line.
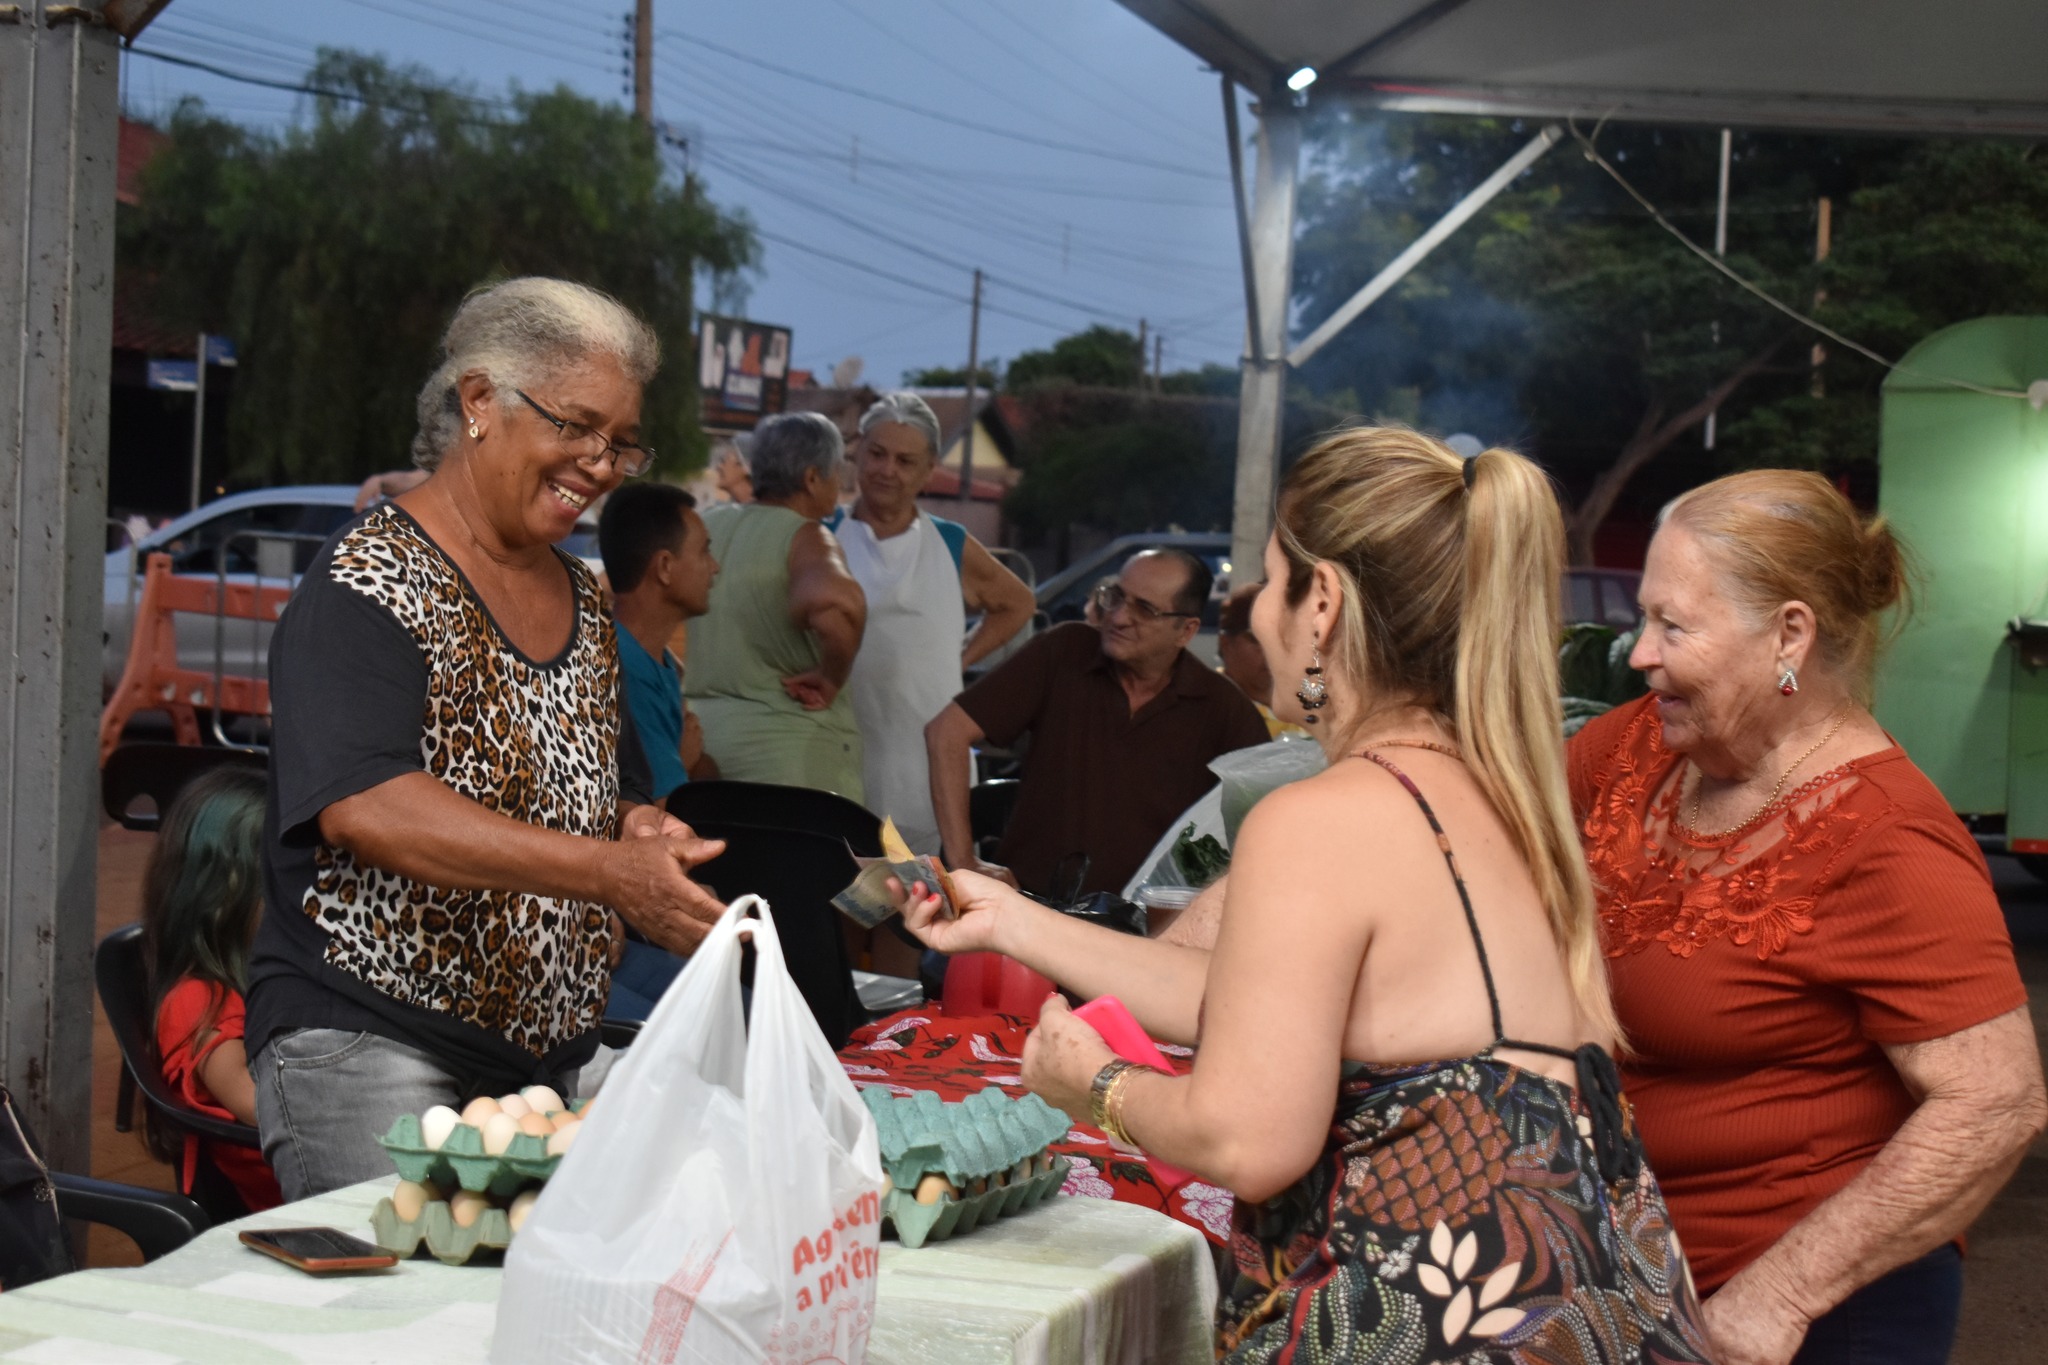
<point>1963,478</point>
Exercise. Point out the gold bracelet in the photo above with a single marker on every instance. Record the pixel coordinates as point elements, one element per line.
<point>1098,1090</point>
<point>1113,1106</point>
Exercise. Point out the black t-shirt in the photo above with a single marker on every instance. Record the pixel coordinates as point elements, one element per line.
<point>386,662</point>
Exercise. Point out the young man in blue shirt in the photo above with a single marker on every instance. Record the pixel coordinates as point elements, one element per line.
<point>657,557</point>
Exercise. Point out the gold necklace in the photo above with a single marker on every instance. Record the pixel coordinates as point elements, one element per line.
<point>1692,821</point>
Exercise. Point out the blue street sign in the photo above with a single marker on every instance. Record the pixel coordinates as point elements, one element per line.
<point>219,350</point>
<point>178,376</point>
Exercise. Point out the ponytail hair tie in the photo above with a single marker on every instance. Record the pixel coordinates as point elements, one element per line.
<point>1471,471</point>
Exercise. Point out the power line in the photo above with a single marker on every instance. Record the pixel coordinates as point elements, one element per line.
<point>951,120</point>
<point>1179,129</point>
<point>300,87</point>
<point>938,206</point>
<point>917,249</point>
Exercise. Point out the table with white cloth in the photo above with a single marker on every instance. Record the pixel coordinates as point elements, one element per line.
<point>1080,1281</point>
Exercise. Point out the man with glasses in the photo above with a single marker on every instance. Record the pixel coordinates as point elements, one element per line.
<point>1123,723</point>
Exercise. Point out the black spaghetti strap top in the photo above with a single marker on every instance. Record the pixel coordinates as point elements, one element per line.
<point>1617,1148</point>
<point>1465,1210</point>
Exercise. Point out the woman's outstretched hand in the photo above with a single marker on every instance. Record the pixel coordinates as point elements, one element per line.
<point>979,906</point>
<point>1061,1057</point>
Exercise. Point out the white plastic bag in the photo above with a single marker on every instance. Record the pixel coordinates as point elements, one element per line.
<point>722,1201</point>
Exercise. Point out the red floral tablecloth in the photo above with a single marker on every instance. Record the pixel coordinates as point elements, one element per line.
<point>924,1049</point>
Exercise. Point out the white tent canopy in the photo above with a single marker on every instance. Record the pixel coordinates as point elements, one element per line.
<point>1976,67</point>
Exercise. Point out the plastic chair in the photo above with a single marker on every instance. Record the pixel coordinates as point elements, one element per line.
<point>989,983</point>
<point>157,1221</point>
<point>797,872</point>
<point>123,982</point>
<point>160,772</point>
<point>766,805</point>
<point>989,807</point>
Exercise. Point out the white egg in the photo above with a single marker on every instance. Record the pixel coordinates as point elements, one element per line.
<point>499,1132</point>
<point>437,1123</point>
<point>563,1139</point>
<point>522,1204</point>
<point>542,1099</point>
<point>467,1206</point>
<point>515,1106</point>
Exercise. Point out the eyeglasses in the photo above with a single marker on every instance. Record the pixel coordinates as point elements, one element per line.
<point>1109,597</point>
<point>590,446</point>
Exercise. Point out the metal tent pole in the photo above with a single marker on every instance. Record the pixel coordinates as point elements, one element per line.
<point>59,131</point>
<point>1269,250</point>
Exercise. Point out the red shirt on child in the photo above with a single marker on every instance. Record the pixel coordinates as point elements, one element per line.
<point>177,1028</point>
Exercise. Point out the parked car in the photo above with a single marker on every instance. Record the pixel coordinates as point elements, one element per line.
<point>306,513</point>
<point>1604,596</point>
<point>196,543</point>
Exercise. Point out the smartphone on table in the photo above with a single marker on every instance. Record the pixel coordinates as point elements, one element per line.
<point>319,1251</point>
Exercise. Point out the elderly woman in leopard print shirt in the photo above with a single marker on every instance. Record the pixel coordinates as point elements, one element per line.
<point>455,789</point>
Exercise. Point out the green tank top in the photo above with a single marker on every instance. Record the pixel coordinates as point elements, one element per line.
<point>741,650</point>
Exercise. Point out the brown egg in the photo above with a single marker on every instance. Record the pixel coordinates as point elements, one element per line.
<point>409,1199</point>
<point>522,1204</point>
<point>479,1110</point>
<point>536,1125</point>
<point>467,1206</point>
<point>499,1132</point>
<point>933,1188</point>
<point>565,1119</point>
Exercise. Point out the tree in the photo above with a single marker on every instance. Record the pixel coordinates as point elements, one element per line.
<point>335,252</point>
<point>1103,357</point>
<point>1563,320</point>
<point>939,377</point>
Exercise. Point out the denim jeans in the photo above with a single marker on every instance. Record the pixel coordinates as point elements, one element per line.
<point>643,975</point>
<point>1905,1318</point>
<point>324,1097</point>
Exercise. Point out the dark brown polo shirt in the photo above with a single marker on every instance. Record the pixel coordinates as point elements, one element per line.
<point>1098,779</point>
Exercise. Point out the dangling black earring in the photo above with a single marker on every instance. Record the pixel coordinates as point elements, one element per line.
<point>1314,693</point>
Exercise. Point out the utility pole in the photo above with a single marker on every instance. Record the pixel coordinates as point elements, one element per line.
<point>1144,345</point>
<point>973,360</point>
<point>1823,244</point>
<point>1158,359</point>
<point>1721,243</point>
<point>643,62</point>
<point>198,421</point>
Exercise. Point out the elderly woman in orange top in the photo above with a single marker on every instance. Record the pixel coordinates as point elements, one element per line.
<point>1833,1065</point>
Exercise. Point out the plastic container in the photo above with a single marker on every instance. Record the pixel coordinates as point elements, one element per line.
<point>1127,1038</point>
<point>989,983</point>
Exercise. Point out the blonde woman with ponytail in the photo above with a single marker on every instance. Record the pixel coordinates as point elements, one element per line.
<point>1403,1070</point>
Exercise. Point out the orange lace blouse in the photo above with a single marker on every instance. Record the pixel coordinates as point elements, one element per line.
<point>1760,973</point>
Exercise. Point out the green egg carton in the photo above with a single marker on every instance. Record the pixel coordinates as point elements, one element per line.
<point>986,1140</point>
<point>462,1163</point>
<point>917,1223</point>
<point>445,1239</point>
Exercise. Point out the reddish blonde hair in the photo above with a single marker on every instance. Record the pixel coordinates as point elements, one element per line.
<point>1788,535</point>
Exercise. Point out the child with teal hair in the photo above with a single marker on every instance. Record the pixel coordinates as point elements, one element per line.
<point>201,901</point>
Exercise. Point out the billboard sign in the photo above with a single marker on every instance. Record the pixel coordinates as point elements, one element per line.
<point>742,371</point>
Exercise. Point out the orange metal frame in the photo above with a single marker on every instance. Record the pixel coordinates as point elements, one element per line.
<point>153,681</point>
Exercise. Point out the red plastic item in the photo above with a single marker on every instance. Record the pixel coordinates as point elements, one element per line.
<point>989,983</point>
<point>1127,1038</point>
